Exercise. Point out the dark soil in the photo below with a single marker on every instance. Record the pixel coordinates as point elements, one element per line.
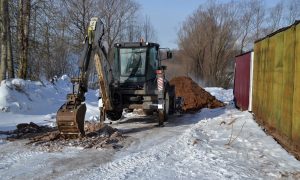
<point>49,139</point>
<point>28,130</point>
<point>195,97</point>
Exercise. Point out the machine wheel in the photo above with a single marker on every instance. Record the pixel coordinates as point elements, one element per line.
<point>172,105</point>
<point>167,106</point>
<point>114,115</point>
<point>172,100</point>
<point>163,113</point>
<point>148,112</point>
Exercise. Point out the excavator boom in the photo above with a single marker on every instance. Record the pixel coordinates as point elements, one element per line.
<point>70,116</point>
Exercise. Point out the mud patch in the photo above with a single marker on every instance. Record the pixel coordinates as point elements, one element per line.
<point>194,96</point>
<point>49,139</point>
<point>26,131</point>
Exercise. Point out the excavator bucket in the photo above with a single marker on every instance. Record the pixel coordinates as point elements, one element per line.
<point>70,120</point>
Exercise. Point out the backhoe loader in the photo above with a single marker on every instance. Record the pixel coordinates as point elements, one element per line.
<point>134,79</point>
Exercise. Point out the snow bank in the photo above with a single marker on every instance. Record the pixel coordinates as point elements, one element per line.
<point>38,101</point>
<point>32,97</point>
<point>224,95</point>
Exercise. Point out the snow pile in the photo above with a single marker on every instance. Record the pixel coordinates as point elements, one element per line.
<point>224,95</point>
<point>32,97</point>
<point>233,146</point>
<point>37,101</point>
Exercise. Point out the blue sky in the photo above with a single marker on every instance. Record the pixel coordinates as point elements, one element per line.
<point>167,16</point>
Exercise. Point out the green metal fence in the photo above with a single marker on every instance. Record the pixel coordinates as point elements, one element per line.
<point>276,84</point>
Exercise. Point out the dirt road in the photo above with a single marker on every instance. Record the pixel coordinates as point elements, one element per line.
<point>222,143</point>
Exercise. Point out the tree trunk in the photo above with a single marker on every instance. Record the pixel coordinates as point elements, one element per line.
<point>0,35</point>
<point>20,36</point>
<point>10,64</point>
<point>3,26</point>
<point>23,34</point>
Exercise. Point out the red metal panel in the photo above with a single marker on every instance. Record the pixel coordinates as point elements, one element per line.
<point>242,80</point>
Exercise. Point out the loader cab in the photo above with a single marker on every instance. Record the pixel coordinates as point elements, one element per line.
<point>135,63</point>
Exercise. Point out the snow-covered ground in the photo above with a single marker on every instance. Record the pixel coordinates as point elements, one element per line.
<point>26,101</point>
<point>222,143</point>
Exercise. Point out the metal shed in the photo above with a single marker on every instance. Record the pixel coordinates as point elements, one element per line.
<point>276,85</point>
<point>243,76</point>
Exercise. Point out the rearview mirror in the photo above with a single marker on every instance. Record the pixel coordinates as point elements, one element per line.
<point>169,55</point>
<point>165,53</point>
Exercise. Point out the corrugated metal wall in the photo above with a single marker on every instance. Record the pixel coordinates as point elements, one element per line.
<point>296,100</point>
<point>276,84</point>
<point>242,80</point>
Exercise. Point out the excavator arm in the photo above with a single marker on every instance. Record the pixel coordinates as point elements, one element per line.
<point>70,116</point>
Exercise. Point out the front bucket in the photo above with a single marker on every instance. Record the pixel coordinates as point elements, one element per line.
<point>70,120</point>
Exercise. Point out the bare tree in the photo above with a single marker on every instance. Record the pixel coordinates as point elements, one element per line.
<point>211,36</point>
<point>259,14</point>
<point>208,37</point>
<point>50,40</point>
<point>13,18</point>
<point>254,22</point>
<point>10,64</point>
<point>275,17</point>
<point>3,27</point>
<point>57,28</point>
<point>47,35</point>
<point>293,11</point>
<point>79,13</point>
<point>23,36</point>
<point>245,24</point>
<point>116,13</point>
<point>148,30</point>
<point>6,56</point>
<point>137,29</point>
<point>133,30</point>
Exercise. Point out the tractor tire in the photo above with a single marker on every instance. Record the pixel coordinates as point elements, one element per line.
<point>163,113</point>
<point>114,115</point>
<point>167,106</point>
<point>172,100</point>
<point>148,112</point>
<point>172,105</point>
